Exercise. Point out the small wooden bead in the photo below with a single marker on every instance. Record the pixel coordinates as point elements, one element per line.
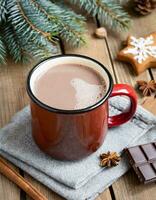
<point>101,33</point>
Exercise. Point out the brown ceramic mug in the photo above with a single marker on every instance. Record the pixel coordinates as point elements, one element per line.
<point>74,134</point>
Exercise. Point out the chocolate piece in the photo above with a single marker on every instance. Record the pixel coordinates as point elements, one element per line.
<point>149,150</point>
<point>137,155</point>
<point>147,173</point>
<point>154,165</point>
<point>143,160</point>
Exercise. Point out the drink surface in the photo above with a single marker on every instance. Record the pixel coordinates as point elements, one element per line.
<point>69,87</point>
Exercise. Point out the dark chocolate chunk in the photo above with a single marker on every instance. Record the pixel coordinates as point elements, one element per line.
<point>149,150</point>
<point>147,172</point>
<point>154,166</point>
<point>137,155</point>
<point>143,160</point>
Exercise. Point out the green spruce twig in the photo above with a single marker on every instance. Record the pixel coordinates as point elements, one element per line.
<point>68,25</point>
<point>28,32</point>
<point>109,13</point>
<point>3,11</point>
<point>2,51</point>
<point>15,49</point>
<point>31,28</point>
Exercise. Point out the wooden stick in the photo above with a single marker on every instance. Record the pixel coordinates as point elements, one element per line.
<point>15,177</point>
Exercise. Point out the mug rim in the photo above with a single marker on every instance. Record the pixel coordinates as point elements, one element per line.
<point>62,111</point>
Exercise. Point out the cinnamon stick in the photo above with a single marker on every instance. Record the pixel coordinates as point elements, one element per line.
<point>15,177</point>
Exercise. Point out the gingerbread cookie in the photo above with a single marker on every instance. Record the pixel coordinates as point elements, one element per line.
<point>140,52</point>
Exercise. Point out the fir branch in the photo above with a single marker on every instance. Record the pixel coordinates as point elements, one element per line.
<point>15,49</point>
<point>113,14</point>
<point>33,27</point>
<point>56,21</point>
<point>39,52</point>
<point>3,11</point>
<point>70,26</point>
<point>108,12</point>
<point>39,17</point>
<point>26,31</point>
<point>22,25</point>
<point>42,10</point>
<point>2,51</point>
<point>32,24</point>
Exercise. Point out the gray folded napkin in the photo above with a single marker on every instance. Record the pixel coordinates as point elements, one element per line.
<point>77,180</point>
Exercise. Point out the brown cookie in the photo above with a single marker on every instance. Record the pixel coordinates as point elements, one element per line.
<point>140,52</point>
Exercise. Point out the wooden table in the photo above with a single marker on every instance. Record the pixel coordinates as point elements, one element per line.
<point>13,97</point>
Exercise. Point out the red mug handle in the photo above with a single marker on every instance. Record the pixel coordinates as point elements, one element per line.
<point>126,90</point>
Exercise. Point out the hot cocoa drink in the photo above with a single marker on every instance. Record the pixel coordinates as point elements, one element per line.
<point>69,105</point>
<point>69,87</point>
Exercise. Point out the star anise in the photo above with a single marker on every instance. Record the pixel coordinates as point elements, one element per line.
<point>147,88</point>
<point>109,159</point>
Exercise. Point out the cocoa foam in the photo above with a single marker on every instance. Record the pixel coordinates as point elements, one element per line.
<point>69,86</point>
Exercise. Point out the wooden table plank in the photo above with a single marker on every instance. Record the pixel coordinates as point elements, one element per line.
<point>97,49</point>
<point>123,71</point>
<point>128,188</point>
<point>154,73</point>
<point>125,187</point>
<point>8,191</point>
<point>151,22</point>
<point>12,90</point>
<point>12,99</point>
<point>105,195</point>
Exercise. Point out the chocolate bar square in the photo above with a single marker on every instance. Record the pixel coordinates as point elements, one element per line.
<point>143,160</point>
<point>149,151</point>
<point>137,155</point>
<point>147,172</point>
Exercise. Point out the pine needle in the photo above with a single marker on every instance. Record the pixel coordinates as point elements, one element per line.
<point>109,13</point>
<point>2,51</point>
<point>15,49</point>
<point>3,11</point>
<point>32,28</point>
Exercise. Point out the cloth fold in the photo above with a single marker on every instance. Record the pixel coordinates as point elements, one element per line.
<point>82,179</point>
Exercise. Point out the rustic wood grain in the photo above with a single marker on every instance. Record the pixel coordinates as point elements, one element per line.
<point>151,24</point>
<point>126,187</point>
<point>12,99</point>
<point>123,71</point>
<point>12,90</point>
<point>154,72</point>
<point>8,190</point>
<point>105,195</point>
<point>149,103</point>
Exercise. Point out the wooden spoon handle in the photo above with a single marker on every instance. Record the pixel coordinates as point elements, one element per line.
<point>15,177</point>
